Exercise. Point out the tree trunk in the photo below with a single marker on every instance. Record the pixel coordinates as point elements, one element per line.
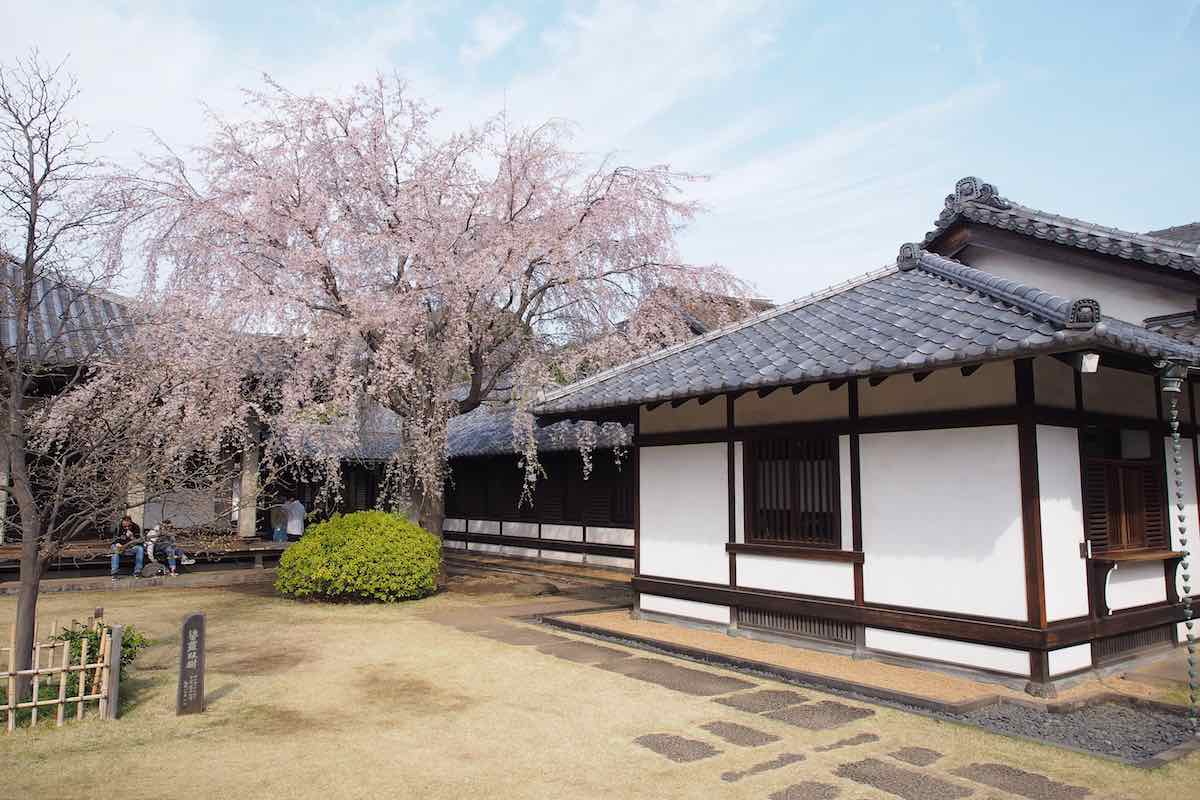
<point>433,518</point>
<point>27,599</point>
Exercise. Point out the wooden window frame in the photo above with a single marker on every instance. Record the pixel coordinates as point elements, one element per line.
<point>829,490</point>
<point>1101,524</point>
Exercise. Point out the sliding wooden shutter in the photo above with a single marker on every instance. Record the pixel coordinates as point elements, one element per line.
<point>1154,513</point>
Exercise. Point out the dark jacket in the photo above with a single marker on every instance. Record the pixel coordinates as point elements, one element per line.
<point>128,538</point>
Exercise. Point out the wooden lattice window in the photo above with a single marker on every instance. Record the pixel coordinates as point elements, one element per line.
<point>793,492</point>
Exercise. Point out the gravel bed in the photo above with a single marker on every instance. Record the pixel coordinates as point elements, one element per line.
<point>1114,729</point>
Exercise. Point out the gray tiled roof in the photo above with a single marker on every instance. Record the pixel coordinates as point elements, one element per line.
<point>926,312</point>
<point>1188,234</point>
<point>976,201</point>
<point>68,325</point>
<point>488,430</point>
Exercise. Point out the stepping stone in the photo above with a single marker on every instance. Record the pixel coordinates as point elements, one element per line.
<point>1019,782</point>
<point>521,636</point>
<point>906,783</point>
<point>821,716</point>
<point>764,700</point>
<point>582,652</point>
<point>740,735</point>
<point>674,677</point>
<point>780,761</point>
<point>807,790</point>
<point>677,748</point>
<point>861,738</point>
<point>917,756</point>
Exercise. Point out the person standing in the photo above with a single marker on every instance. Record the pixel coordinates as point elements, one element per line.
<point>128,537</point>
<point>295,517</point>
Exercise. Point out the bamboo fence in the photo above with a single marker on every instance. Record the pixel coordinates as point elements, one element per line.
<point>52,662</point>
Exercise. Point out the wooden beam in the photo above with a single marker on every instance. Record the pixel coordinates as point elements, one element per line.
<point>800,387</point>
<point>920,376</point>
<point>876,380</point>
<point>968,371</point>
<point>766,391</point>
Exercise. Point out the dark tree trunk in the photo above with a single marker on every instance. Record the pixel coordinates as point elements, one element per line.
<point>27,598</point>
<point>432,519</point>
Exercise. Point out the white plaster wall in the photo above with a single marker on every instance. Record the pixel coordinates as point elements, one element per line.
<point>1128,298</point>
<point>691,416</point>
<point>845,493</point>
<point>739,487</point>
<point>1115,391</point>
<point>566,558</point>
<point>946,389</point>
<point>795,575</point>
<point>941,519</point>
<point>1138,583</point>
<point>814,403</point>
<point>1053,383</point>
<point>685,512</point>
<point>608,561</point>
<point>522,552</point>
<point>570,533</point>
<point>621,536</point>
<point>1069,659</point>
<point>455,545</point>
<point>529,529</point>
<point>458,525</point>
<point>184,509</point>
<point>1191,519</point>
<point>684,608</point>
<point>980,656</point>
<point>484,526</point>
<point>1062,522</point>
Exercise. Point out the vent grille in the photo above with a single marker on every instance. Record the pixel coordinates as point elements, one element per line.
<point>1126,643</point>
<point>797,625</point>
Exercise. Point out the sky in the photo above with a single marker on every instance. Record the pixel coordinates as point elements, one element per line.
<point>829,133</point>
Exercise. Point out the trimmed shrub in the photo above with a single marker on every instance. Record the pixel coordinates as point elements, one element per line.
<point>365,556</point>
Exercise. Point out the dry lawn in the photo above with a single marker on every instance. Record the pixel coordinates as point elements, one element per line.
<point>314,701</point>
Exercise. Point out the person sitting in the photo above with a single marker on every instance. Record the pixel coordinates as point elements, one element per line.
<point>127,537</point>
<point>162,543</point>
<point>295,517</point>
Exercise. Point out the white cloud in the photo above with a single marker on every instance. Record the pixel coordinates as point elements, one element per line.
<point>490,33</point>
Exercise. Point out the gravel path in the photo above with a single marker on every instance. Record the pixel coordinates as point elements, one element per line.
<point>1113,729</point>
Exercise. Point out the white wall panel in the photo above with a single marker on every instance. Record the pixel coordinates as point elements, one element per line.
<point>845,492</point>
<point>621,536</point>
<point>1069,659</point>
<point>739,487</point>
<point>1123,297</point>
<point>1053,383</point>
<point>1115,391</point>
<point>814,403</point>
<point>459,525</point>
<point>691,416</point>
<point>1062,522</point>
<point>941,518</point>
<point>608,561</point>
<point>529,529</point>
<point>946,389</point>
<point>484,526</point>
<point>1133,584</point>
<point>969,654</point>
<point>796,575</point>
<point>570,533</point>
<point>685,512</point>
<point>684,608</point>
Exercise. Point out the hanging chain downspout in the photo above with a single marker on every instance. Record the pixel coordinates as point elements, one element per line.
<point>1172,377</point>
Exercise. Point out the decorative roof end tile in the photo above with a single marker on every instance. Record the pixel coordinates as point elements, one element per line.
<point>1085,313</point>
<point>909,257</point>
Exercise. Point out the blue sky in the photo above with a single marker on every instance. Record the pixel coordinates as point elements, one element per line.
<point>830,131</point>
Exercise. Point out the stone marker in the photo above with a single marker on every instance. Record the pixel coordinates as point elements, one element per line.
<point>190,699</point>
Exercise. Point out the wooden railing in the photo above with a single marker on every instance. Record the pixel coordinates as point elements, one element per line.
<point>92,677</point>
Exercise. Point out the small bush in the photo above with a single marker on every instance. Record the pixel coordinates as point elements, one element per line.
<point>367,555</point>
